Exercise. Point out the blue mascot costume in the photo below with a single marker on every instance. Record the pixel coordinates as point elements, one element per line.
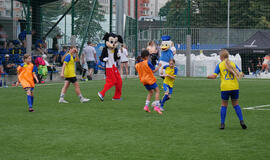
<point>166,52</point>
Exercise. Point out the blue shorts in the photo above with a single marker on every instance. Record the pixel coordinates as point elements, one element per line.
<point>166,87</point>
<point>29,88</point>
<point>234,94</point>
<point>91,64</point>
<point>150,87</point>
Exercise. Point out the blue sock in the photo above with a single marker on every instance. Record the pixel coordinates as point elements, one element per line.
<point>164,99</point>
<point>238,111</point>
<point>223,112</point>
<point>32,100</point>
<point>29,101</point>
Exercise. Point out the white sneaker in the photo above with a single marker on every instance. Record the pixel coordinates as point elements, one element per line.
<point>100,97</point>
<point>84,100</point>
<point>61,100</point>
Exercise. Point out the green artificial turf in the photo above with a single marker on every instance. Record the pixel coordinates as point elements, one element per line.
<point>121,130</point>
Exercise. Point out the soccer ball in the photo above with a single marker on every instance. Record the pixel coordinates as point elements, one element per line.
<point>155,103</point>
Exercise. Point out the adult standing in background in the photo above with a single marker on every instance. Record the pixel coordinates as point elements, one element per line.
<point>55,47</point>
<point>123,59</point>
<point>3,37</point>
<point>152,49</point>
<point>89,54</point>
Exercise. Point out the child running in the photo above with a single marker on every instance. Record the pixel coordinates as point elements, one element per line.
<point>68,72</point>
<point>229,75</point>
<point>146,74</point>
<point>170,74</point>
<point>26,77</point>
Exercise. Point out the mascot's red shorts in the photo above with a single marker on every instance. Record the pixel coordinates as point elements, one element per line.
<point>113,78</point>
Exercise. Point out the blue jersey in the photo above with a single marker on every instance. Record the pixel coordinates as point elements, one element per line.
<point>38,44</point>
<point>166,56</point>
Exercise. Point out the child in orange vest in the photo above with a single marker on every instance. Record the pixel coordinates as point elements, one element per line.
<point>146,74</point>
<point>26,76</point>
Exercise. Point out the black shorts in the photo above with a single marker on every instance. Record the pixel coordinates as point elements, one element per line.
<point>71,79</point>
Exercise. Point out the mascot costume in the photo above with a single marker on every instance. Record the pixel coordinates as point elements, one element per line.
<point>110,55</point>
<point>166,52</point>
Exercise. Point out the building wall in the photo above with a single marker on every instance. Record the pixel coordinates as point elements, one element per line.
<point>155,6</point>
<point>106,6</point>
<point>5,9</point>
<point>143,8</point>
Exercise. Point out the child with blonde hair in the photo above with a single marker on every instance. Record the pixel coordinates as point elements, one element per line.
<point>168,83</point>
<point>229,76</point>
<point>68,72</point>
<point>26,76</point>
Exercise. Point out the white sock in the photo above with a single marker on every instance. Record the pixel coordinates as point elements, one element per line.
<point>147,103</point>
<point>62,95</point>
<point>80,96</point>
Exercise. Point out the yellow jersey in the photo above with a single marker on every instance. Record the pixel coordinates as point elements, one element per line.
<point>228,81</point>
<point>70,66</point>
<point>172,72</point>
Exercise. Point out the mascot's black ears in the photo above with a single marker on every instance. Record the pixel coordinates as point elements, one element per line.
<point>107,35</point>
<point>120,39</point>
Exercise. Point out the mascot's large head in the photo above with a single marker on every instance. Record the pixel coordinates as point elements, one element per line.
<point>166,43</point>
<point>111,40</point>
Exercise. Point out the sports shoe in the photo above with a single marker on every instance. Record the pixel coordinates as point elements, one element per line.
<point>222,126</point>
<point>31,110</point>
<point>243,125</point>
<point>84,100</point>
<point>146,108</point>
<point>161,108</point>
<point>61,100</point>
<point>157,109</point>
<point>100,97</point>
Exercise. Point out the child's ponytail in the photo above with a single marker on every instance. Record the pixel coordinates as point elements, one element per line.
<point>231,69</point>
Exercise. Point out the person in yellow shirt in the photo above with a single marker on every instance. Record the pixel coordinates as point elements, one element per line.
<point>146,74</point>
<point>68,72</point>
<point>26,76</point>
<point>170,74</point>
<point>229,76</point>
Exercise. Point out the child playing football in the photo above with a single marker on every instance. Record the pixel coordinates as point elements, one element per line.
<point>170,74</point>
<point>68,72</point>
<point>229,75</point>
<point>146,74</point>
<point>26,77</point>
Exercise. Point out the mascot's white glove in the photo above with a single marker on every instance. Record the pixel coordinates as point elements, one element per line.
<point>105,59</point>
<point>118,54</point>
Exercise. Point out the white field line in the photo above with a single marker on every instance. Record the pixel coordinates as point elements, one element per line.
<point>258,107</point>
<point>137,79</point>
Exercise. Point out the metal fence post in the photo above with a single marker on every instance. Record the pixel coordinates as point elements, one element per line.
<point>188,58</point>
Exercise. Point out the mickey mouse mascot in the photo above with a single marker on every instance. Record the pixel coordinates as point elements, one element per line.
<point>110,55</point>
